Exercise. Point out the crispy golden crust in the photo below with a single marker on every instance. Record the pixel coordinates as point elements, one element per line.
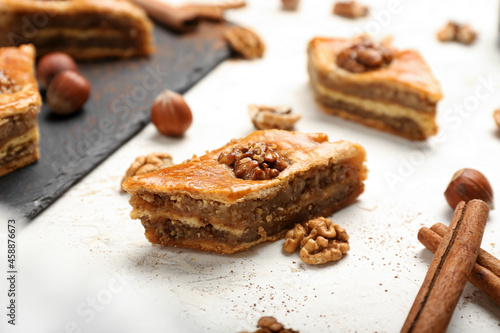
<point>205,178</point>
<point>17,64</point>
<point>98,18</point>
<point>407,72</point>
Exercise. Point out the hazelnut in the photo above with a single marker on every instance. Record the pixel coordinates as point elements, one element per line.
<point>68,92</point>
<point>170,114</point>
<point>52,64</point>
<point>466,185</point>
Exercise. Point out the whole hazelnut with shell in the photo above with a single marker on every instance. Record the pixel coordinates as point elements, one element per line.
<point>466,185</point>
<point>170,114</point>
<point>52,64</point>
<point>68,92</point>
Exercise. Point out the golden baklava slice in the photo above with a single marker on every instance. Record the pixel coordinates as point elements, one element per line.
<point>20,103</point>
<point>250,191</point>
<point>375,84</point>
<point>84,29</point>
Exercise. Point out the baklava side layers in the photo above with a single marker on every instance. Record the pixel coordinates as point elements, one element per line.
<point>84,29</point>
<point>20,104</point>
<point>201,204</point>
<point>400,99</point>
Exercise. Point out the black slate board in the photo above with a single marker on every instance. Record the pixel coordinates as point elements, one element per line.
<point>122,93</point>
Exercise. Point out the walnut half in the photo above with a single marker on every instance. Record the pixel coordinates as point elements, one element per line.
<point>320,240</point>
<point>272,117</point>
<point>255,161</point>
<point>148,163</point>
<point>271,325</point>
<point>350,9</point>
<point>461,33</point>
<point>245,42</point>
<point>364,55</point>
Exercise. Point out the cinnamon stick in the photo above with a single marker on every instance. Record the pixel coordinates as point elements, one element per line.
<point>207,12</point>
<point>215,11</point>
<point>176,18</point>
<point>451,266</point>
<point>486,272</point>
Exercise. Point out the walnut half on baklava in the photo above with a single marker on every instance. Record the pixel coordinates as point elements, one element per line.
<point>20,104</point>
<point>84,29</point>
<point>249,191</point>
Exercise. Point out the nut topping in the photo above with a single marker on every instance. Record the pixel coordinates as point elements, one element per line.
<point>461,33</point>
<point>271,325</point>
<point>7,85</point>
<point>272,117</point>
<point>350,9</point>
<point>255,161</point>
<point>148,163</point>
<point>320,240</point>
<point>245,42</point>
<point>364,55</point>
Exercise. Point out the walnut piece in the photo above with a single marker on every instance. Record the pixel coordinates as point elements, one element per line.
<point>245,42</point>
<point>320,241</point>
<point>7,85</point>
<point>461,33</point>
<point>350,9</point>
<point>272,117</point>
<point>271,325</point>
<point>496,116</point>
<point>364,55</point>
<point>290,4</point>
<point>149,163</point>
<point>255,161</point>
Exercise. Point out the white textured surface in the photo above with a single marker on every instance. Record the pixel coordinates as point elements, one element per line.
<point>75,249</point>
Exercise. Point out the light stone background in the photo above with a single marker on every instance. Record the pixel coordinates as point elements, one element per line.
<point>85,266</point>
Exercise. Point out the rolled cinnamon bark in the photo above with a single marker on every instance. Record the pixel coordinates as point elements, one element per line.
<point>486,272</point>
<point>451,266</point>
<point>177,18</point>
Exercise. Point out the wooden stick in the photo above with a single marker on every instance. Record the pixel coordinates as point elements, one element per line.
<point>485,274</point>
<point>452,264</point>
<point>176,18</point>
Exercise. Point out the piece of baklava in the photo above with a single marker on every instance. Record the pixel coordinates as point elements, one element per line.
<point>375,84</point>
<point>250,191</point>
<point>84,29</point>
<point>20,104</point>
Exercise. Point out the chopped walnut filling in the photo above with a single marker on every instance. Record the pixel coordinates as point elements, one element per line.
<point>149,163</point>
<point>271,325</point>
<point>461,33</point>
<point>245,42</point>
<point>7,85</point>
<point>272,117</point>
<point>256,161</point>
<point>364,55</point>
<point>350,9</point>
<point>320,240</point>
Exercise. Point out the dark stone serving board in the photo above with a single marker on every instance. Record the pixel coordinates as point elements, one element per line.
<point>122,93</point>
